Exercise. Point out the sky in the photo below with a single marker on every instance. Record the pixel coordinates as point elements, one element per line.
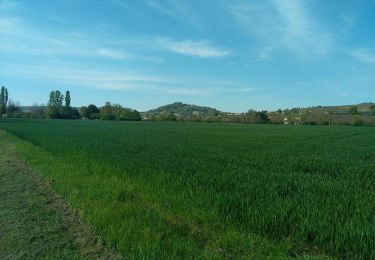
<point>232,55</point>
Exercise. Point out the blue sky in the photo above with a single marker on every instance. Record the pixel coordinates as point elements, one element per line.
<point>229,54</point>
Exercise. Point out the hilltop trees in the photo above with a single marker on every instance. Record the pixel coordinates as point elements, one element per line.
<point>3,100</point>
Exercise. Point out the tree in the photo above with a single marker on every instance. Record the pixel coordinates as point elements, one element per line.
<point>251,112</point>
<point>38,111</point>
<point>167,116</point>
<point>372,109</point>
<point>55,104</point>
<point>67,99</point>
<point>6,99</point>
<point>117,109</point>
<point>13,107</point>
<point>356,120</point>
<point>130,115</point>
<point>305,115</point>
<point>261,117</point>
<point>83,112</point>
<point>68,111</point>
<point>106,112</point>
<point>55,99</point>
<point>92,112</point>
<point>3,100</point>
<point>353,110</point>
<point>2,96</point>
<point>14,110</point>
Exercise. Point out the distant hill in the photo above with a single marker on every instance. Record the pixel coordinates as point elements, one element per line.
<point>185,110</point>
<point>26,109</point>
<point>363,108</point>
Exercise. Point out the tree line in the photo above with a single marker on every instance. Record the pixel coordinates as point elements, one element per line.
<point>59,107</point>
<point>109,112</point>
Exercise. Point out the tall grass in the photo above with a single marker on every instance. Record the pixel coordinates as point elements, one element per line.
<point>168,190</point>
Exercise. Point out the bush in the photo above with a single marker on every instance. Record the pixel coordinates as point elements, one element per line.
<point>356,121</point>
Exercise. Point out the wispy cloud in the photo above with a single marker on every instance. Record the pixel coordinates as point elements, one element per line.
<point>114,54</point>
<point>57,19</point>
<point>209,91</point>
<point>6,4</point>
<point>189,91</point>
<point>17,37</point>
<point>202,49</point>
<point>284,24</point>
<point>125,5</point>
<point>122,80</point>
<point>97,78</point>
<point>364,55</point>
<point>181,11</point>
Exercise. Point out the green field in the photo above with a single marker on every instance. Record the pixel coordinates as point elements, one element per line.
<point>200,190</point>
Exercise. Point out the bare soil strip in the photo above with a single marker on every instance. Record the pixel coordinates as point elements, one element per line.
<point>34,221</point>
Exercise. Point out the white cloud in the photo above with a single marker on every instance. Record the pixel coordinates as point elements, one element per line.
<point>202,49</point>
<point>114,54</point>
<point>364,55</point>
<point>281,24</point>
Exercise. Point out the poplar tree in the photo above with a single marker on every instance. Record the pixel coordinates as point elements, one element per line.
<point>67,99</point>
<point>3,100</point>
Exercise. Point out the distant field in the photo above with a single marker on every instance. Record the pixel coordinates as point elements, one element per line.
<point>200,190</point>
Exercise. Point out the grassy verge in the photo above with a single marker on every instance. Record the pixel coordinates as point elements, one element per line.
<point>34,222</point>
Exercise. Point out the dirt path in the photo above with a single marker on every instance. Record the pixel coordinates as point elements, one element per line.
<point>34,222</point>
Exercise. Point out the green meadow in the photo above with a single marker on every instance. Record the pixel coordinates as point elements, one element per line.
<point>200,190</point>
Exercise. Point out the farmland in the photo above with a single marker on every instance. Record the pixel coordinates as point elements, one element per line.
<point>168,190</point>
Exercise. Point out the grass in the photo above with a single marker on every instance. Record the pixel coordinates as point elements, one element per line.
<point>198,190</point>
<point>34,222</point>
